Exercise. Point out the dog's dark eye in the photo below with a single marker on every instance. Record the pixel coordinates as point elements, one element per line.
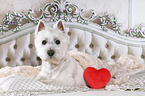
<point>44,42</point>
<point>57,42</point>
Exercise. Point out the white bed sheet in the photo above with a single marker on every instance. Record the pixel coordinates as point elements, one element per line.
<point>100,93</point>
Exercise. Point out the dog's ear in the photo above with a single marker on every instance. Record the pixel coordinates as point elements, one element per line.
<point>59,25</point>
<point>40,26</point>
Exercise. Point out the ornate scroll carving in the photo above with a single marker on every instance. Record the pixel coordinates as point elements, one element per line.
<point>138,32</point>
<point>12,21</point>
<point>62,9</point>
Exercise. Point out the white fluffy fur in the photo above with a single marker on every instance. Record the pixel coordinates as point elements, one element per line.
<point>61,68</point>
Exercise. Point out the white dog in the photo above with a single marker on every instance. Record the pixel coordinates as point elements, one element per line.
<point>57,66</point>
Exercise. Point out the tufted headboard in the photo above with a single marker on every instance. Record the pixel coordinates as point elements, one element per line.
<point>97,35</point>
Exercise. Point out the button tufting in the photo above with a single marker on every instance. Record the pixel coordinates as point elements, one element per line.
<point>8,59</point>
<point>15,46</point>
<point>77,46</point>
<point>23,59</point>
<point>106,45</point>
<point>142,56</point>
<point>30,45</point>
<point>99,57</point>
<point>69,33</point>
<point>91,45</point>
<point>113,57</point>
<point>38,58</point>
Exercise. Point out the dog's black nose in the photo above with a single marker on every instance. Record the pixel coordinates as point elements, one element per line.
<point>50,52</point>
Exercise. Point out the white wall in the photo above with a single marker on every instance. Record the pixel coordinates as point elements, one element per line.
<point>139,12</point>
<point>20,6</point>
<point>126,11</point>
<point>119,8</point>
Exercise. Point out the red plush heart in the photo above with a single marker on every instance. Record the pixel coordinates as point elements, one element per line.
<point>97,78</point>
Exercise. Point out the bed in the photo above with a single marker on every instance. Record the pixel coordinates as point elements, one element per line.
<point>99,36</point>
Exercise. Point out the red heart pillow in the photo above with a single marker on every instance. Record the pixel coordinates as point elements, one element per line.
<point>97,78</point>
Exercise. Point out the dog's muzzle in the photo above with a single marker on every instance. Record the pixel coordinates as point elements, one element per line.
<point>50,52</point>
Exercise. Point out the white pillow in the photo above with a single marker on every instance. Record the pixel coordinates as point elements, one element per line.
<point>24,86</point>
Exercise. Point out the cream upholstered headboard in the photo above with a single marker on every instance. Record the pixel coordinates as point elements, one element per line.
<point>97,35</point>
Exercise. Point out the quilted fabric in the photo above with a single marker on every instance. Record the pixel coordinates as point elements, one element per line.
<point>22,50</point>
<point>18,85</point>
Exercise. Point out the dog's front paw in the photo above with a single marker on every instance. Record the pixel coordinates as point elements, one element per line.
<point>44,79</point>
<point>40,78</point>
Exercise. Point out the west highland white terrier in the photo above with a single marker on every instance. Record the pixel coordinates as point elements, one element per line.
<point>57,66</point>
